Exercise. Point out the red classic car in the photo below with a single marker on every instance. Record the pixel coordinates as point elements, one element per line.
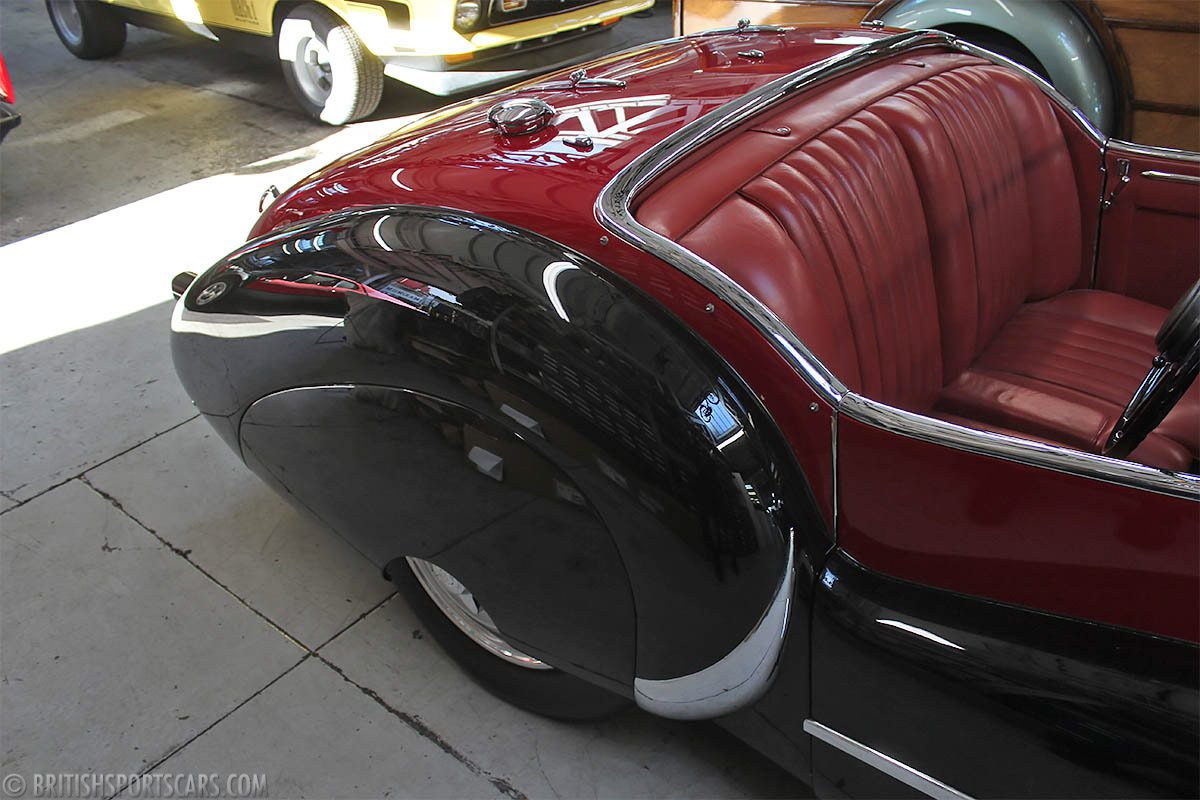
<point>817,381</point>
<point>9,118</point>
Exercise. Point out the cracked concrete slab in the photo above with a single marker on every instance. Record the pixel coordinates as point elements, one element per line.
<point>630,755</point>
<point>313,734</point>
<point>114,651</point>
<point>190,489</point>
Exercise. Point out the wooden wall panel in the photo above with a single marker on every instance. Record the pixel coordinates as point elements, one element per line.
<point>1180,131</point>
<point>1185,12</point>
<point>1165,65</point>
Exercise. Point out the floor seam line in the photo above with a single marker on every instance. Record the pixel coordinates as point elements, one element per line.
<point>216,722</point>
<point>355,621</point>
<point>97,465</point>
<point>423,730</point>
<point>186,556</point>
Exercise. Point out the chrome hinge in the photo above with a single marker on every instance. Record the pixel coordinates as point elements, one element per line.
<point>1122,182</point>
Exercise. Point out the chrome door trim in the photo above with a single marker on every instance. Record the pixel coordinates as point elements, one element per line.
<point>1170,177</point>
<point>613,212</point>
<point>1023,451</point>
<point>891,767</point>
<point>1153,151</point>
<point>740,677</point>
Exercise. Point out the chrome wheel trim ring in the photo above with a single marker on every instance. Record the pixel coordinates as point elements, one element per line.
<point>458,604</point>
<point>312,69</point>
<point>67,16</point>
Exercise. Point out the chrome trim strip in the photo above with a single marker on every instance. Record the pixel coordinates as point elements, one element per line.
<point>884,763</point>
<point>1122,146</point>
<point>1024,451</point>
<point>833,435</point>
<point>741,677</point>
<point>613,212</point>
<point>1170,177</point>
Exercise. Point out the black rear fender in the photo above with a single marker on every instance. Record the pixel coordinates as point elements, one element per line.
<point>437,385</point>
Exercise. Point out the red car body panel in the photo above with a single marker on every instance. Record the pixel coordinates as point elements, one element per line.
<point>923,512</point>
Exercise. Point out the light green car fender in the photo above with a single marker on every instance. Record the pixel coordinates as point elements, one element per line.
<point>1051,31</point>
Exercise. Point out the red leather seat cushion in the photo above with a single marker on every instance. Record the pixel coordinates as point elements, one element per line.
<point>1064,368</point>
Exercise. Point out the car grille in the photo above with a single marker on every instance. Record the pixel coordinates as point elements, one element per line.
<point>532,10</point>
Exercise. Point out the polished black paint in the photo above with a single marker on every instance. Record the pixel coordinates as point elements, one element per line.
<point>383,345</point>
<point>996,700</point>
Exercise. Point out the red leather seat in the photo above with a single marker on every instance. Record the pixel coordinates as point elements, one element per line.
<point>1064,368</point>
<point>918,226</point>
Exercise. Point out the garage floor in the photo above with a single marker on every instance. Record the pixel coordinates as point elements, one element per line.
<point>160,609</point>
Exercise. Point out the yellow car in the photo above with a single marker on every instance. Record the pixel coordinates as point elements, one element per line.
<point>335,53</point>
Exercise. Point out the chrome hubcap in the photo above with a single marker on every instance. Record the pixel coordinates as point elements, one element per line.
<point>313,72</point>
<point>459,605</point>
<point>67,16</point>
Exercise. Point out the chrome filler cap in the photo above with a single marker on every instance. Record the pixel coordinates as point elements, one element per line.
<point>521,116</point>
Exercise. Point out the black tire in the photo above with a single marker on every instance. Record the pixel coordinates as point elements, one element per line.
<point>88,28</point>
<point>347,87</point>
<point>548,692</point>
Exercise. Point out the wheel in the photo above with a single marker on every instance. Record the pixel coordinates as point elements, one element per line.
<point>87,28</point>
<point>467,633</point>
<point>332,75</point>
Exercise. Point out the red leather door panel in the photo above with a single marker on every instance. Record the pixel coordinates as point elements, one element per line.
<point>1150,236</point>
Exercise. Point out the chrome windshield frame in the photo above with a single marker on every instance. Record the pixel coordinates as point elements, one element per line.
<point>614,213</point>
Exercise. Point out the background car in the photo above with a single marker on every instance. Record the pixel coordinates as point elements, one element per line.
<point>335,53</point>
<point>1133,66</point>
<point>9,118</point>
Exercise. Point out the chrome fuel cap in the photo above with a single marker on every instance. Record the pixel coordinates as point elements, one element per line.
<point>521,116</point>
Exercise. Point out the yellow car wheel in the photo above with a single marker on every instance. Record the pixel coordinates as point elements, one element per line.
<point>332,75</point>
<point>88,29</point>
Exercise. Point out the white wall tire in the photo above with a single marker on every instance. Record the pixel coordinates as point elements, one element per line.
<point>333,77</point>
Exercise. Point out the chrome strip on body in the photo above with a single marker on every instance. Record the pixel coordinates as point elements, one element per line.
<point>1170,177</point>
<point>1025,451</point>
<point>1132,148</point>
<point>884,763</point>
<point>742,676</point>
<point>613,211</point>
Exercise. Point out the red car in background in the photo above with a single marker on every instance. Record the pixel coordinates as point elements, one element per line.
<point>9,118</point>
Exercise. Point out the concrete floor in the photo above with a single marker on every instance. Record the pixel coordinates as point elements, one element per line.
<point>160,609</point>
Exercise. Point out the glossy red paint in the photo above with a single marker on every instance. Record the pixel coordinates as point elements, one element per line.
<point>453,157</point>
<point>1020,534</point>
